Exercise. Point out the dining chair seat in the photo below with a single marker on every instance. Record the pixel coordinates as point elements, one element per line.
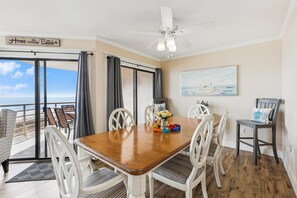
<point>100,176</point>
<point>177,169</point>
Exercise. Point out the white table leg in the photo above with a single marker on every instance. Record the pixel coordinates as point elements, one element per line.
<point>137,186</point>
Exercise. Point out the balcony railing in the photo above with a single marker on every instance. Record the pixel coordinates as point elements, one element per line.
<point>25,121</point>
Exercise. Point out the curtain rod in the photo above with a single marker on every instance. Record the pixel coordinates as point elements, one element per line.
<point>138,65</point>
<point>44,52</point>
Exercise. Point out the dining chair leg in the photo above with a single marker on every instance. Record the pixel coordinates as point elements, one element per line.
<point>203,185</point>
<point>255,147</point>
<point>221,166</point>
<point>188,193</point>
<point>259,149</point>
<point>237,138</point>
<point>274,143</point>
<point>151,185</point>
<point>216,172</point>
<point>5,166</point>
<point>68,135</point>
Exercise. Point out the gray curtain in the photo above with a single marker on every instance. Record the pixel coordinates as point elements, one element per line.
<point>158,84</point>
<point>83,120</point>
<point>114,86</point>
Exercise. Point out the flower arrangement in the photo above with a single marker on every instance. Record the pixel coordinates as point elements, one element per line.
<point>164,114</point>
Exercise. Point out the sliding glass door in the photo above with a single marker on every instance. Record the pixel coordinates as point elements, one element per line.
<point>29,87</point>
<point>138,89</point>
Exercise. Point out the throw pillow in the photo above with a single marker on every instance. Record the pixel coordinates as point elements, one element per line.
<point>261,115</point>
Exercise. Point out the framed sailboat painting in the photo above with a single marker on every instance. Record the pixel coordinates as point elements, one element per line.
<point>217,81</point>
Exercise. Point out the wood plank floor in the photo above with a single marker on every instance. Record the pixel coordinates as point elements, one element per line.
<point>242,179</point>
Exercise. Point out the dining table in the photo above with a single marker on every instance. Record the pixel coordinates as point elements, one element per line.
<point>138,149</point>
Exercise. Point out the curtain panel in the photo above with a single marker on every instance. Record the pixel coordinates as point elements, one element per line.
<point>114,86</point>
<point>83,125</point>
<point>158,84</point>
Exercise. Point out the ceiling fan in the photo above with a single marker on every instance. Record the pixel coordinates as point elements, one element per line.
<point>170,33</point>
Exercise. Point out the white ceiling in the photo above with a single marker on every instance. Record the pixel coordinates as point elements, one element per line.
<point>236,21</point>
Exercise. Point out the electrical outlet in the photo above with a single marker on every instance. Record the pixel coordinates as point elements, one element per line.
<point>290,148</point>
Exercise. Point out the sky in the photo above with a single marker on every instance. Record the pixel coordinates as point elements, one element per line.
<point>219,76</point>
<point>17,80</point>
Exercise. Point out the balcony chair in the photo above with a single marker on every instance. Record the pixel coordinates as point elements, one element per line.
<point>62,121</point>
<point>149,114</point>
<point>120,118</point>
<point>260,103</point>
<point>50,117</point>
<point>186,172</point>
<point>7,126</point>
<point>214,157</point>
<point>68,108</point>
<point>103,183</point>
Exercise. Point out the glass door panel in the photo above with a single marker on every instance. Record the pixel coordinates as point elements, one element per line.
<point>128,86</point>
<point>144,93</point>
<point>58,88</point>
<point>17,92</point>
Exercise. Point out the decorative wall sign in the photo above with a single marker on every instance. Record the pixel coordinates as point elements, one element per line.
<point>32,41</point>
<point>219,81</point>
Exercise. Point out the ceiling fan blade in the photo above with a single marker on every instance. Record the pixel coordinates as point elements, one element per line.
<point>198,27</point>
<point>166,18</point>
<point>183,42</point>
<point>146,33</point>
<point>153,44</point>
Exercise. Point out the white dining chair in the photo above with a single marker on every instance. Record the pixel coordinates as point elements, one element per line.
<point>120,118</point>
<point>101,183</point>
<point>214,157</point>
<point>186,172</point>
<point>149,114</point>
<point>198,111</point>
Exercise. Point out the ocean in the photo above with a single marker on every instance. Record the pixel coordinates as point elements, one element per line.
<point>224,90</point>
<point>30,101</point>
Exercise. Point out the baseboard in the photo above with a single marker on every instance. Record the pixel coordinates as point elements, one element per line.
<point>266,151</point>
<point>291,176</point>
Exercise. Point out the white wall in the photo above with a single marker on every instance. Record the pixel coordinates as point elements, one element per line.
<point>259,75</point>
<point>290,99</point>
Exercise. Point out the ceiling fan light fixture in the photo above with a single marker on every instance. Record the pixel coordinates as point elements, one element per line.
<point>172,48</point>
<point>161,45</point>
<point>170,42</point>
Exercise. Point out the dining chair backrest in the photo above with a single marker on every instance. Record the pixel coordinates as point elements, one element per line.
<point>7,128</point>
<point>67,108</point>
<point>221,128</point>
<point>62,121</point>
<point>149,114</point>
<point>50,117</point>
<point>200,142</point>
<point>198,111</point>
<point>272,103</point>
<point>65,163</point>
<point>120,118</point>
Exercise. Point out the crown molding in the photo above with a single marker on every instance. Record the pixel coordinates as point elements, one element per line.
<point>224,48</point>
<point>291,9</point>
<point>103,40</point>
<point>62,36</point>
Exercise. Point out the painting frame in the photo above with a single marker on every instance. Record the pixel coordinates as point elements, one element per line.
<point>212,81</point>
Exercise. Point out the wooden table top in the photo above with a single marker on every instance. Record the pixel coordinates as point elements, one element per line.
<point>137,150</point>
